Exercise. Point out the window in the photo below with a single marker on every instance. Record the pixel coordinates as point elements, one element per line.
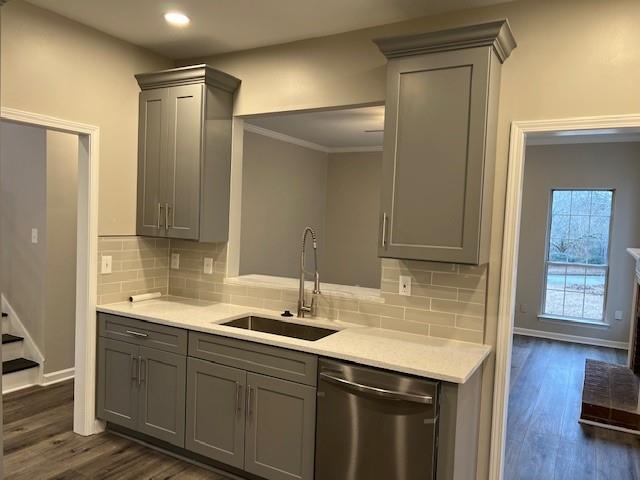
<point>577,263</point>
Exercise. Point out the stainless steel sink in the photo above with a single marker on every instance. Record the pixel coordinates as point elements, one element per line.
<point>278,327</point>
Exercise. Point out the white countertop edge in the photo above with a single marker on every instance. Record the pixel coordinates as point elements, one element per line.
<point>634,252</point>
<point>214,327</point>
<point>327,289</point>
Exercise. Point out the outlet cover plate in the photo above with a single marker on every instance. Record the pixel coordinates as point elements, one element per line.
<point>208,265</point>
<point>404,285</point>
<point>175,261</point>
<point>106,264</point>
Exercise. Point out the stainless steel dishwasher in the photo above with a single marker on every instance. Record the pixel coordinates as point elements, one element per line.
<point>375,425</point>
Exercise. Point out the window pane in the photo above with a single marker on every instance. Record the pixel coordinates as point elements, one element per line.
<point>595,281</point>
<point>561,202</point>
<point>556,277</point>
<point>554,301</point>
<point>560,226</point>
<point>580,202</point>
<point>575,279</point>
<point>601,201</point>
<point>573,304</point>
<point>558,249</point>
<point>593,307</point>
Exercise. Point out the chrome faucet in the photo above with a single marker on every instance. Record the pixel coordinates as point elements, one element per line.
<point>302,306</point>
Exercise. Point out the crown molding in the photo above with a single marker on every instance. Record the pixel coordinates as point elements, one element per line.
<point>496,34</point>
<point>187,75</point>
<point>305,143</point>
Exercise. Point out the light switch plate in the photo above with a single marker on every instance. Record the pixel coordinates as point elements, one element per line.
<point>175,261</point>
<point>618,315</point>
<point>106,264</point>
<point>34,235</point>
<point>208,265</point>
<point>404,286</point>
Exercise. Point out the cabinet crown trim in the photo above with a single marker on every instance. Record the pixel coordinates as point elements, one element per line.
<point>188,75</point>
<point>496,34</point>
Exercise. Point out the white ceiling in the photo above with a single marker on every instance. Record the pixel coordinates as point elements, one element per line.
<point>219,26</point>
<point>334,130</point>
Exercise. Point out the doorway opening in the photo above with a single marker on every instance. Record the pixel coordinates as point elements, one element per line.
<point>567,298</point>
<point>87,142</point>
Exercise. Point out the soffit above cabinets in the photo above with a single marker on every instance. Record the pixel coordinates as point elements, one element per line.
<point>354,129</point>
<point>219,26</point>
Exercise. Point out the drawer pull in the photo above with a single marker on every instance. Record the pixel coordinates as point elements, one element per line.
<point>239,397</point>
<point>134,367</point>
<point>137,334</point>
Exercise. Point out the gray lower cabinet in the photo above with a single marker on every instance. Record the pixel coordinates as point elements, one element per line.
<point>280,428</point>
<point>117,388</point>
<point>142,389</point>
<point>216,411</point>
<point>162,395</point>
<point>439,142</point>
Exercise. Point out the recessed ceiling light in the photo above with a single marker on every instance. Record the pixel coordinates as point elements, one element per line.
<point>177,18</point>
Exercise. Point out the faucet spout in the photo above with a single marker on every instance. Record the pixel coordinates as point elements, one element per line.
<point>303,307</point>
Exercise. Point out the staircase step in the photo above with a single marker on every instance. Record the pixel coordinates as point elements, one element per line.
<point>18,364</point>
<point>8,338</point>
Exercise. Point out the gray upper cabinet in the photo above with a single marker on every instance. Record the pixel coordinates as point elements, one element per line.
<point>184,153</point>
<point>439,142</point>
<point>280,438</point>
<point>216,411</point>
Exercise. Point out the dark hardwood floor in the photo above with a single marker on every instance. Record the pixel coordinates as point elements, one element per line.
<point>39,444</point>
<point>544,438</point>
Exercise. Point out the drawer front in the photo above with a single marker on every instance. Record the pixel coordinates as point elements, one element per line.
<point>147,334</point>
<point>253,357</point>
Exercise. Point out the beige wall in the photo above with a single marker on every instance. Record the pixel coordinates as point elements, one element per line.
<point>352,214</point>
<point>283,191</point>
<point>588,166</point>
<point>575,58</point>
<point>60,273</point>
<point>22,207</point>
<point>54,66</point>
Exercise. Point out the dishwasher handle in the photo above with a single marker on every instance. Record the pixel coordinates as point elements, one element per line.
<point>379,392</point>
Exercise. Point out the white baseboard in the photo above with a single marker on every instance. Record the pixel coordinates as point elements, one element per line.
<point>563,337</point>
<point>56,377</point>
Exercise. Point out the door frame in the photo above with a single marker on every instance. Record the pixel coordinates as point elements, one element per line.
<point>511,238</point>
<point>84,414</point>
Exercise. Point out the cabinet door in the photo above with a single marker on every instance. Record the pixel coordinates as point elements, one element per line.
<point>162,395</point>
<point>152,146</point>
<point>117,389</point>
<point>433,160</point>
<point>280,428</point>
<point>185,115</point>
<point>216,411</point>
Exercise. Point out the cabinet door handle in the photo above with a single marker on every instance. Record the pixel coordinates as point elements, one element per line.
<point>134,367</point>
<point>142,370</point>
<point>249,395</point>
<point>159,214</point>
<point>166,216</point>
<point>137,334</point>
<point>384,230</point>
<point>238,397</point>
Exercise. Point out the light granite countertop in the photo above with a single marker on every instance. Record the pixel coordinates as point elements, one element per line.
<point>634,252</point>
<point>430,357</point>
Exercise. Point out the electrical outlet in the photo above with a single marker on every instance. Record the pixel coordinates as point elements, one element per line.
<point>34,235</point>
<point>208,265</point>
<point>106,264</point>
<point>523,308</point>
<point>404,286</point>
<point>175,261</point>
<point>618,315</point>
